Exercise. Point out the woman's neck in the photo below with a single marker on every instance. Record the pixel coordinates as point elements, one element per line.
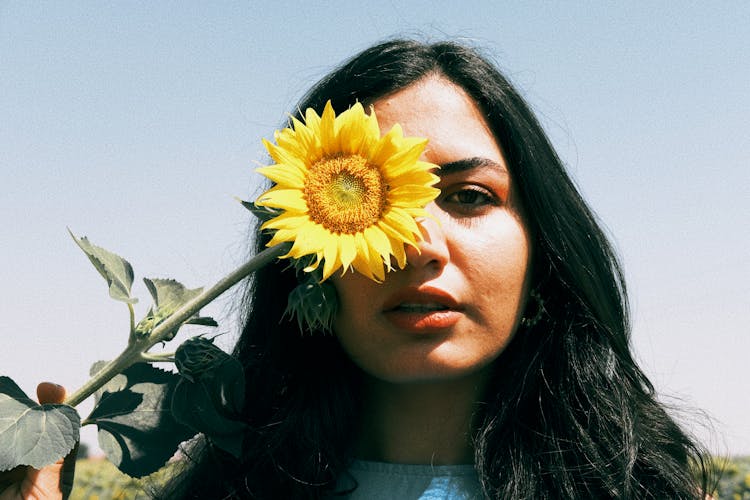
<point>419,423</point>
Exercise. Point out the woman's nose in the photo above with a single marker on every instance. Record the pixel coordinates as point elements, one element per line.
<point>433,250</point>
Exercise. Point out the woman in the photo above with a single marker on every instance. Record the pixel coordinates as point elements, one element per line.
<point>504,344</point>
<point>496,364</point>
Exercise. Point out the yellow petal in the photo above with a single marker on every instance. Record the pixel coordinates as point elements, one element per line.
<point>282,236</point>
<point>352,131</point>
<point>287,221</point>
<point>406,158</point>
<point>304,135</point>
<point>411,194</point>
<point>377,267</point>
<point>379,242</point>
<point>361,263</point>
<point>330,257</point>
<point>422,173</point>
<point>288,199</point>
<point>348,249</point>
<point>282,156</point>
<point>372,128</point>
<point>292,144</point>
<point>371,259</point>
<point>284,175</point>
<point>398,217</point>
<point>387,146</point>
<point>398,251</point>
<point>327,130</point>
<point>308,241</point>
<point>401,234</point>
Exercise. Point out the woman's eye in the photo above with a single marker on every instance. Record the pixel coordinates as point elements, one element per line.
<point>469,199</point>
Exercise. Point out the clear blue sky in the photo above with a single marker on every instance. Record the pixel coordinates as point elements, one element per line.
<point>135,123</point>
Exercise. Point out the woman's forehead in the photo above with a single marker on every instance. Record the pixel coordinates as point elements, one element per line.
<point>442,112</point>
<point>426,96</point>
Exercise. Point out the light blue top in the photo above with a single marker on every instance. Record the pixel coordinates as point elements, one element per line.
<point>378,480</point>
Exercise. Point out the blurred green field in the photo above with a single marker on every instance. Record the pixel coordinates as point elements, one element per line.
<point>735,481</point>
<point>98,479</point>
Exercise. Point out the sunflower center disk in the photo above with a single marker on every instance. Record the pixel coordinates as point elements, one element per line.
<point>345,194</point>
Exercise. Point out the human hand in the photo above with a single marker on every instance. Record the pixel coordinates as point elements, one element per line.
<point>53,482</point>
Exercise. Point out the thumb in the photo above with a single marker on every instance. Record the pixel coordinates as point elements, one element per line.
<point>49,393</point>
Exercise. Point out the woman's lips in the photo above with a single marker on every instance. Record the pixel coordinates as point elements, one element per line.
<point>422,310</point>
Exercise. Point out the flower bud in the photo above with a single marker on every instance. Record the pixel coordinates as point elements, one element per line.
<point>314,304</point>
<point>197,356</point>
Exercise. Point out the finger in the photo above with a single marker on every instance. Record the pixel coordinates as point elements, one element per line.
<point>47,392</point>
<point>44,482</point>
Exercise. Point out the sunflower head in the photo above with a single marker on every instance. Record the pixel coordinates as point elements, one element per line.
<point>347,197</point>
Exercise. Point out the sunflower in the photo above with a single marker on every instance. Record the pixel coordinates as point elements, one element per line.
<point>349,197</point>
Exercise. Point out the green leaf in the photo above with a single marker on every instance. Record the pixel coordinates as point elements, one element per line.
<point>169,295</point>
<point>33,434</point>
<point>114,384</point>
<point>114,269</point>
<point>137,430</point>
<point>262,213</point>
<point>211,394</point>
<point>202,321</point>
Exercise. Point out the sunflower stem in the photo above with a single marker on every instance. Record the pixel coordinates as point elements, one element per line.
<point>135,350</point>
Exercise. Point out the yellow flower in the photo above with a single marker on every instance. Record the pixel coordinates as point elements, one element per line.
<point>349,196</point>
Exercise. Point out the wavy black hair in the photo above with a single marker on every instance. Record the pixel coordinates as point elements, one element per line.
<point>580,419</point>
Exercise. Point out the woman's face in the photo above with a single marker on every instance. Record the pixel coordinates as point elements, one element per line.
<point>456,305</point>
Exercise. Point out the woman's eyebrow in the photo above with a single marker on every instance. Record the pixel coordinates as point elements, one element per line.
<point>468,164</point>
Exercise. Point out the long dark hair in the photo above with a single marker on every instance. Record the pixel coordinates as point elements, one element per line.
<point>579,420</point>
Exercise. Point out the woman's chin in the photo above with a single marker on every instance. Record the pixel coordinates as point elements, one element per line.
<point>433,369</point>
